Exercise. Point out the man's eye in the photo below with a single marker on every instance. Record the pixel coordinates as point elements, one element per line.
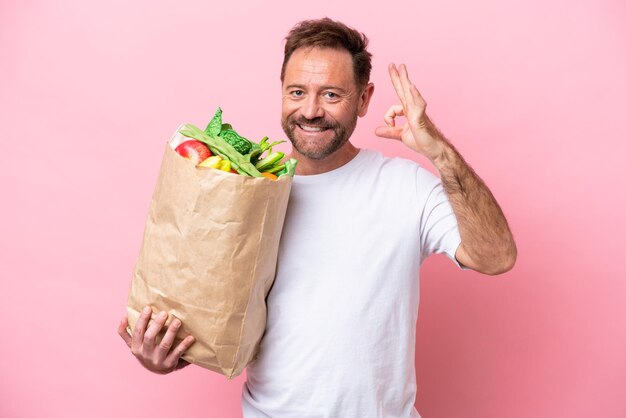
<point>297,93</point>
<point>331,95</point>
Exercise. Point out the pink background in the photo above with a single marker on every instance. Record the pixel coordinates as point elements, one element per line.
<point>531,92</point>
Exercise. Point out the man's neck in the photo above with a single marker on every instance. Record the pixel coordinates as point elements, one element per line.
<point>307,166</point>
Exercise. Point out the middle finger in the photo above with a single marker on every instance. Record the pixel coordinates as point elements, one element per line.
<point>149,339</point>
<point>397,84</point>
<point>406,84</point>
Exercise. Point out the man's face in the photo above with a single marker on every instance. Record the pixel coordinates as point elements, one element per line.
<point>321,101</point>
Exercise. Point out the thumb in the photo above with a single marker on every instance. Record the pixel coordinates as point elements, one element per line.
<point>391,132</point>
<point>121,330</point>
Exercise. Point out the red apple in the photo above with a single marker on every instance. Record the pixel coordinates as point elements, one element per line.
<point>193,150</point>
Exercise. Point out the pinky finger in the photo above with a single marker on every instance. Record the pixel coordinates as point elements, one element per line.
<point>180,349</point>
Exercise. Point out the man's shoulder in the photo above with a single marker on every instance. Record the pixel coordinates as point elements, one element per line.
<point>400,166</point>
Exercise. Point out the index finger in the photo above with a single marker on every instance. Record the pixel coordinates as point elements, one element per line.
<point>397,83</point>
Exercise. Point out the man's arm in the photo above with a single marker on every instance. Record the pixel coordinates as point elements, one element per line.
<point>487,244</point>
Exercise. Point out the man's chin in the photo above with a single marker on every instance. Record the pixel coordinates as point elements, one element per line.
<point>312,154</point>
<point>316,156</point>
<point>317,153</point>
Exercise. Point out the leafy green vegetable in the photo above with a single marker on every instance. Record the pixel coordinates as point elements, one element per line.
<point>215,126</point>
<point>265,146</point>
<point>245,156</point>
<point>267,162</point>
<point>275,169</point>
<point>290,168</point>
<point>219,146</point>
<point>240,143</point>
<point>258,149</point>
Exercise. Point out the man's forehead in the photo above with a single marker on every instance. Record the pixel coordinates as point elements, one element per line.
<point>320,53</point>
<point>315,63</point>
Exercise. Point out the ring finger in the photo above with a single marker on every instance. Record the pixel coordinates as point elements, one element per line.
<point>167,342</point>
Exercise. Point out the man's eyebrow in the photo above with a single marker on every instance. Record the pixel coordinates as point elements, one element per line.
<point>303,87</point>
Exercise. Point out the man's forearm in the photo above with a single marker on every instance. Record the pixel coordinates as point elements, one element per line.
<point>487,242</point>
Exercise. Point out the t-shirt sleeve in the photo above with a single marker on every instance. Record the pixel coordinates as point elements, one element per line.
<point>439,232</point>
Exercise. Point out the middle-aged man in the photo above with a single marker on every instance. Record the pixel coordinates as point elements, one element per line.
<point>340,334</point>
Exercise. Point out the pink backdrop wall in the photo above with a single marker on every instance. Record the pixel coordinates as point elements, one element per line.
<point>531,92</point>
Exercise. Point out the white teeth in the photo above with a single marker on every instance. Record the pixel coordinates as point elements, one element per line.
<point>312,128</point>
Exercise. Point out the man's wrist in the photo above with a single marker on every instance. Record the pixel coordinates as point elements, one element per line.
<point>443,157</point>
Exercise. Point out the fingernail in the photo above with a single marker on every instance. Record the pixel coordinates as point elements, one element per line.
<point>162,315</point>
<point>146,310</point>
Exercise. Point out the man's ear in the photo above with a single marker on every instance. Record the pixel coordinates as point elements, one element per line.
<point>364,100</point>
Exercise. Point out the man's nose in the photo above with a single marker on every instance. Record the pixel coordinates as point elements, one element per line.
<point>311,108</point>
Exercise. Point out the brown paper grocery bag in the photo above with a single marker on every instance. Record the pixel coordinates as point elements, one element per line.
<point>209,258</point>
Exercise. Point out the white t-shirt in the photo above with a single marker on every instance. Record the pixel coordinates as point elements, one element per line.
<point>340,333</point>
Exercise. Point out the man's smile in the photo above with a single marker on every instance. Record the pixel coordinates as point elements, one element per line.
<point>311,128</point>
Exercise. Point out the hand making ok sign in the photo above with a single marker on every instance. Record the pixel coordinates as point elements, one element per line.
<point>418,133</point>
